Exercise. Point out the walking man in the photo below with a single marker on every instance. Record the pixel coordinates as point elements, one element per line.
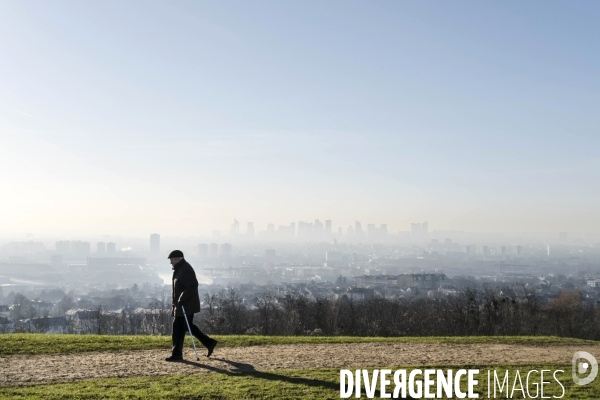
<point>185,293</point>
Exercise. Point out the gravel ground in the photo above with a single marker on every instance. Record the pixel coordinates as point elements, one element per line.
<point>52,368</point>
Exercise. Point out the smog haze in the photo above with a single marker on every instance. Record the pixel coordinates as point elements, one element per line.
<point>129,118</point>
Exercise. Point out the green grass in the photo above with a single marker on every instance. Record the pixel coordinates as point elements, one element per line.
<point>298,384</point>
<point>26,343</point>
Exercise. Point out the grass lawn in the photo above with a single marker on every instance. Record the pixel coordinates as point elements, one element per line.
<point>27,343</point>
<point>299,384</point>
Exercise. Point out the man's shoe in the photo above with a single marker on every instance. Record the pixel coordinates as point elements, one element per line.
<point>211,347</point>
<point>174,358</point>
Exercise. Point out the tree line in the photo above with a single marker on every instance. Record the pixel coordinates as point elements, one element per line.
<point>468,313</point>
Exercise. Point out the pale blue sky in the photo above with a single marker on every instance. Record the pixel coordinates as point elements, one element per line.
<point>128,117</point>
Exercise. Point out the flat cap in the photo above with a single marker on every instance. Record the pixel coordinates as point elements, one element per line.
<point>176,254</point>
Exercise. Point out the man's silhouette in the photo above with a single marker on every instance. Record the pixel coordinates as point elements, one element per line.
<point>185,293</point>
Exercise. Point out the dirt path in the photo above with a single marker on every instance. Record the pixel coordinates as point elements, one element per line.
<point>51,368</point>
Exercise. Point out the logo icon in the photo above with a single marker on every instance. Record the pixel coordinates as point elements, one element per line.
<point>582,367</point>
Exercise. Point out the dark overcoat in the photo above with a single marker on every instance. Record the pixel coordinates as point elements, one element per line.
<point>185,289</point>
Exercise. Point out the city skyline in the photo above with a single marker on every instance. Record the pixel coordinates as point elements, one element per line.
<point>251,229</point>
<point>302,232</point>
<point>375,238</point>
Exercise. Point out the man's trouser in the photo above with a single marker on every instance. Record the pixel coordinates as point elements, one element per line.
<point>180,330</point>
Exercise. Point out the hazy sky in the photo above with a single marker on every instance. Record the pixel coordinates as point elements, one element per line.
<point>175,117</point>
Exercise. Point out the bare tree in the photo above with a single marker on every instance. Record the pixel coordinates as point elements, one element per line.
<point>266,304</point>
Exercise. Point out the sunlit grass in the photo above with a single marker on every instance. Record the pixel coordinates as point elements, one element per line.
<point>296,384</point>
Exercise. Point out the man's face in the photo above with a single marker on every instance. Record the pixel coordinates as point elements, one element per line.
<point>175,260</point>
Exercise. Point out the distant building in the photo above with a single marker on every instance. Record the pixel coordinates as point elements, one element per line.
<point>111,249</point>
<point>517,250</point>
<point>328,226</point>
<point>23,249</point>
<point>101,248</point>
<point>593,282</point>
<point>383,230</point>
<point>371,231</point>
<point>350,231</point>
<point>203,250</point>
<point>318,227</point>
<point>213,250</point>
<point>304,230</point>
<point>422,281</point>
<point>415,230</point>
<point>250,230</point>
<point>286,232</point>
<point>73,248</point>
<point>425,228</point>
<point>377,234</point>
<point>226,250</point>
<point>419,231</point>
<point>154,245</point>
<point>359,294</point>
<point>235,228</point>
<point>358,232</point>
